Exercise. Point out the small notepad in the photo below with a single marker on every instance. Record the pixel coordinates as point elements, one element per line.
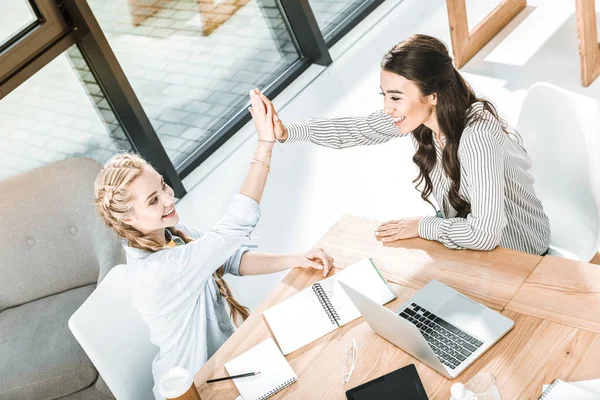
<point>275,372</point>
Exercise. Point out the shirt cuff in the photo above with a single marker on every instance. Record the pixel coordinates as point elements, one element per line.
<point>232,265</point>
<point>245,208</point>
<point>429,227</point>
<point>297,132</point>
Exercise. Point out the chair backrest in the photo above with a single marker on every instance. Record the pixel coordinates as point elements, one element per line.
<point>52,239</point>
<point>560,133</point>
<point>116,338</point>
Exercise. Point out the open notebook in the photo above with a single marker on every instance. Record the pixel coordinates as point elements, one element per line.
<point>561,390</point>
<point>324,306</point>
<point>275,372</point>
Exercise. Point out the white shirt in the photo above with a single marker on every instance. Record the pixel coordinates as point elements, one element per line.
<point>177,296</point>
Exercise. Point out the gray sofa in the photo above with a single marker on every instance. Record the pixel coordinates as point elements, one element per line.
<point>54,249</point>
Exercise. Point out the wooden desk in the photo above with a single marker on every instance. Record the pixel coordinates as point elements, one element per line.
<point>563,291</point>
<point>533,353</point>
<point>491,278</point>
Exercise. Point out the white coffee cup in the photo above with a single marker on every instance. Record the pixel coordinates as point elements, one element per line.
<point>178,384</point>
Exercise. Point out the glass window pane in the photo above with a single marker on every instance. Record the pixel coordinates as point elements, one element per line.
<point>15,15</point>
<point>58,113</point>
<point>331,14</point>
<point>192,62</point>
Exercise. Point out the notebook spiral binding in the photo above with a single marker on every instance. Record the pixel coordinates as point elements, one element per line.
<point>548,390</point>
<point>327,306</point>
<point>277,389</point>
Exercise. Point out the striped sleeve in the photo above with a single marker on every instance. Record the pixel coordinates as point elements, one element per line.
<point>481,156</point>
<point>342,132</point>
<point>221,245</point>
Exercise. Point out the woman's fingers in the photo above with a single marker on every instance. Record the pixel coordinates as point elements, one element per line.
<point>392,238</point>
<point>264,99</point>
<point>253,99</point>
<point>386,233</point>
<point>313,264</point>
<point>390,223</point>
<point>277,123</point>
<point>322,264</point>
<point>279,128</point>
<point>270,114</point>
<point>387,228</point>
<point>326,260</point>
<point>256,112</point>
<point>260,105</point>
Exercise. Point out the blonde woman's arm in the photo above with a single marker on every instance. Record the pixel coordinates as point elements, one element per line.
<point>260,164</point>
<point>267,263</point>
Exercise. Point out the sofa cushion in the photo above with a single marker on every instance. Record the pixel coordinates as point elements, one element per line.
<point>90,393</point>
<point>103,388</point>
<point>52,238</point>
<point>40,358</point>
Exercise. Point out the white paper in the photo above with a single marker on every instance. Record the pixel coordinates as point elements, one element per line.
<point>570,391</point>
<point>364,278</point>
<point>592,386</point>
<point>361,276</point>
<point>301,319</point>
<point>298,321</point>
<point>275,372</point>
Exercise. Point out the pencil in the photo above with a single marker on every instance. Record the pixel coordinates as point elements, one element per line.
<point>232,377</point>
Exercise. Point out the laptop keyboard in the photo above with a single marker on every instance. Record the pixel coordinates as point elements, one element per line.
<point>450,344</point>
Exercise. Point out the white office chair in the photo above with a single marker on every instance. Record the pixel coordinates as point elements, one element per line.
<point>116,339</point>
<point>560,132</point>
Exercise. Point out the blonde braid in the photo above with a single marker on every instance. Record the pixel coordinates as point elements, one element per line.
<point>115,203</point>
<point>236,310</point>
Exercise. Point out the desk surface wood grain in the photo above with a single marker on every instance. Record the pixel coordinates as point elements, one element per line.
<point>539,349</point>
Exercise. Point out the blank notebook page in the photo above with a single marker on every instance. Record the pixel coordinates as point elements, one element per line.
<point>298,321</point>
<point>560,390</point>
<point>362,276</point>
<point>275,372</point>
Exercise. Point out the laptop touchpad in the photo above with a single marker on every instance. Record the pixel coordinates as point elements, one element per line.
<point>460,311</point>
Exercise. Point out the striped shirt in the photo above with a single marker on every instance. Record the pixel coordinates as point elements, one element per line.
<point>494,179</point>
<point>177,296</point>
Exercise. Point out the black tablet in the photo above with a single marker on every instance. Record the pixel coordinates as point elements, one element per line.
<point>403,384</point>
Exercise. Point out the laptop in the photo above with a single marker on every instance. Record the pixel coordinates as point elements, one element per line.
<point>438,326</point>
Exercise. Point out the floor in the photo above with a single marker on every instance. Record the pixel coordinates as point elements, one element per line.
<point>311,187</point>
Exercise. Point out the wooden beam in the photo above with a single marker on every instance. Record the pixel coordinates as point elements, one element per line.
<point>587,36</point>
<point>466,44</point>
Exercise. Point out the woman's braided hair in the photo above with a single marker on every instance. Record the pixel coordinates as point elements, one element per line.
<point>114,202</point>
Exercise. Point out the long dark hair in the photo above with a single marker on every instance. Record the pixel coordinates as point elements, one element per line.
<point>425,61</point>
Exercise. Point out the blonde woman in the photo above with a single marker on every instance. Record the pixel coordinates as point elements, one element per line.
<point>175,271</point>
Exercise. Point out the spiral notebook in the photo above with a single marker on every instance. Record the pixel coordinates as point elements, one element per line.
<point>561,390</point>
<point>275,372</point>
<point>323,307</point>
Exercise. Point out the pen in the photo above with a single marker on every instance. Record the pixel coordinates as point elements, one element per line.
<point>232,377</point>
